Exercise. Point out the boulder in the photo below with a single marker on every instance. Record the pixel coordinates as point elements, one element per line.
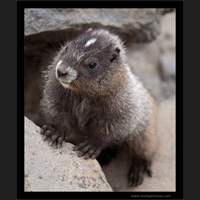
<point>155,63</point>
<point>142,25</point>
<point>49,169</point>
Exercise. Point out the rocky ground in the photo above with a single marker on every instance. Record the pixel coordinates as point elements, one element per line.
<point>151,57</point>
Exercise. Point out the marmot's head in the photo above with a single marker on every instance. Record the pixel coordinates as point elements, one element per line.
<point>91,63</point>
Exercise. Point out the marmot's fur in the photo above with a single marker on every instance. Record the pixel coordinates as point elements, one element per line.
<point>93,100</point>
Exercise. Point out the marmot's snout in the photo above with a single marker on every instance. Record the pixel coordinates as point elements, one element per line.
<point>64,73</point>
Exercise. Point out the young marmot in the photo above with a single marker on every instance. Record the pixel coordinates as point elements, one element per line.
<point>92,99</point>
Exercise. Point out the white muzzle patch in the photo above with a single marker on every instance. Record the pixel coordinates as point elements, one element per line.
<point>57,65</point>
<point>71,74</point>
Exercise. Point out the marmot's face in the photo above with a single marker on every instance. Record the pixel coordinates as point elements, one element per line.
<point>88,64</point>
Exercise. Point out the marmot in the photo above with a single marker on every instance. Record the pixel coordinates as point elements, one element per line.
<point>93,100</point>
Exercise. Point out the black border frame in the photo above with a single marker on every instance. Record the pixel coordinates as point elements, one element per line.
<point>178,5</point>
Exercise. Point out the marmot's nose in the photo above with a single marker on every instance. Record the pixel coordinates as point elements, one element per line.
<point>61,72</point>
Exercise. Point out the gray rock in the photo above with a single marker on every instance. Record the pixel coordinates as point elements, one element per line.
<point>167,59</point>
<point>143,60</point>
<point>141,25</point>
<point>155,63</point>
<point>168,66</point>
<point>167,45</point>
<point>49,169</point>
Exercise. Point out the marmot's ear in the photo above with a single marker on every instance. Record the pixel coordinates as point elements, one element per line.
<point>115,54</point>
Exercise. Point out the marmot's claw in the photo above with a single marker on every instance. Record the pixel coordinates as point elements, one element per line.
<point>44,128</point>
<point>149,172</point>
<point>136,177</point>
<point>137,172</point>
<point>57,141</point>
<point>52,136</point>
<point>87,150</point>
<point>80,146</point>
<point>96,154</point>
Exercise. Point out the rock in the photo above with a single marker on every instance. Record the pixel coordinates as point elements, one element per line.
<point>142,25</point>
<point>155,63</point>
<point>167,42</point>
<point>49,169</point>
<point>143,60</point>
<point>164,177</point>
<point>167,39</point>
<point>167,59</point>
<point>168,66</point>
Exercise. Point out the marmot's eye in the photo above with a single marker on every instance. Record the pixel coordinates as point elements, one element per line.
<point>92,65</point>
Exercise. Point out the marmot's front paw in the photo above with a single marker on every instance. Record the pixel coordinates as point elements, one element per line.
<point>52,136</point>
<point>138,170</point>
<point>87,150</point>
